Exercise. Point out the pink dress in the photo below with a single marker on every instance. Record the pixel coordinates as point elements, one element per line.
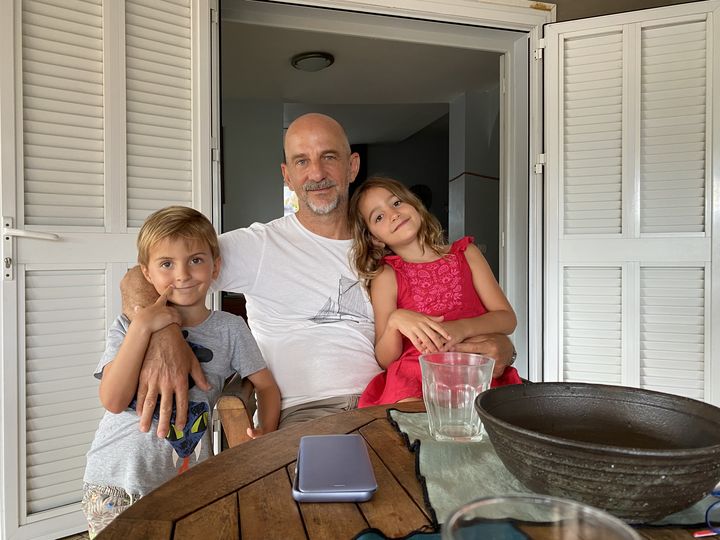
<point>442,287</point>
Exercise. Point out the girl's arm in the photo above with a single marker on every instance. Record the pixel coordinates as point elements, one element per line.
<point>120,377</point>
<point>500,317</point>
<point>268,400</point>
<point>391,324</point>
<point>383,295</point>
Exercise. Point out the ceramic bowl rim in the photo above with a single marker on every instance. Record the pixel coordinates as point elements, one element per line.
<point>606,449</point>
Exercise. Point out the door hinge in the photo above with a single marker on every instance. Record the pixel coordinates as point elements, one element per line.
<point>214,149</point>
<point>539,164</point>
<point>538,52</point>
<point>213,16</point>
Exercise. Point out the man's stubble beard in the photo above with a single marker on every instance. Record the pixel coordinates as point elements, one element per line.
<point>327,208</point>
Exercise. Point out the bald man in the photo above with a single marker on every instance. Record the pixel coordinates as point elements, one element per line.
<point>306,308</point>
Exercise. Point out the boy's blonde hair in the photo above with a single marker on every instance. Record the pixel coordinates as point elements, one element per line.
<point>175,222</point>
<point>367,253</point>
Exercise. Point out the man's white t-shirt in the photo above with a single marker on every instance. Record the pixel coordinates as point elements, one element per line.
<point>309,314</point>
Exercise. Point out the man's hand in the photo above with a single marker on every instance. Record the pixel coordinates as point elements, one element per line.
<point>497,346</point>
<point>168,361</point>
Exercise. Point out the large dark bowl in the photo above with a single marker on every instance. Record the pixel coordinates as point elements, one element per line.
<point>638,454</point>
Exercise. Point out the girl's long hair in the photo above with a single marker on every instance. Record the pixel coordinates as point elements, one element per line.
<point>367,253</point>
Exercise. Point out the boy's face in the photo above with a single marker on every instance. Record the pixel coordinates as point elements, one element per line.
<point>187,265</point>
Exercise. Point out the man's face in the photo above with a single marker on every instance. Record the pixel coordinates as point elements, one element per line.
<point>319,166</point>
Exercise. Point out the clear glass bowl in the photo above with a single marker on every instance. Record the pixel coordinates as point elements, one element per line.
<point>536,516</point>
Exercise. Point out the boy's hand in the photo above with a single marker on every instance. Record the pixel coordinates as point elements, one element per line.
<point>255,433</point>
<point>158,315</point>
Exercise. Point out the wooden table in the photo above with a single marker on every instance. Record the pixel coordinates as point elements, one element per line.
<point>245,492</point>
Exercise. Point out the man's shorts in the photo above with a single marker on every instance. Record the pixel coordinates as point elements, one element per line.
<point>317,409</point>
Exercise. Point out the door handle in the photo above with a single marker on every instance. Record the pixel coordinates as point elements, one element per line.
<point>8,232</point>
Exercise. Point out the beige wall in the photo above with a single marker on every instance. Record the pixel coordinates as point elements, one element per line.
<point>579,9</point>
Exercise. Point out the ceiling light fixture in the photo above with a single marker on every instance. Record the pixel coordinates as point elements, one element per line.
<point>312,61</point>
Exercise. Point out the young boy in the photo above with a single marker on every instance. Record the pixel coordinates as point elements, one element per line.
<point>179,255</point>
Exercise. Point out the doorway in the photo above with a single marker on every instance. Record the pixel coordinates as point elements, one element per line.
<point>423,101</point>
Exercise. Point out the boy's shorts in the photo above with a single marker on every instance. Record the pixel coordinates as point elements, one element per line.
<point>102,504</point>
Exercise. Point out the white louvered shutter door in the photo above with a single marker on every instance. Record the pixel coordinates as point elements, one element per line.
<point>65,312</point>
<point>159,106</point>
<point>673,112</point>
<point>592,103</point>
<point>628,273</point>
<point>592,315</point>
<point>62,52</point>
<point>110,129</point>
<point>672,330</point>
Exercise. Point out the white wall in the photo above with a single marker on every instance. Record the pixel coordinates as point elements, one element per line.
<point>474,170</point>
<point>420,159</point>
<point>252,149</point>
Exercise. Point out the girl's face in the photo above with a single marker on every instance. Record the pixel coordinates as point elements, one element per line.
<point>389,219</point>
<point>186,265</point>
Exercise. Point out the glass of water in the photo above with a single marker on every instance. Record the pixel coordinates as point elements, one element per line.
<point>451,381</point>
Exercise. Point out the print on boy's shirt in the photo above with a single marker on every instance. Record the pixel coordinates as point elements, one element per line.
<point>187,441</point>
<point>348,305</point>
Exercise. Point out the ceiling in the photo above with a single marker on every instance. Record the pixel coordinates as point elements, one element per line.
<point>381,90</point>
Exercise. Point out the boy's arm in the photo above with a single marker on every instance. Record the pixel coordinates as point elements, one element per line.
<point>168,360</point>
<point>268,401</point>
<point>120,377</point>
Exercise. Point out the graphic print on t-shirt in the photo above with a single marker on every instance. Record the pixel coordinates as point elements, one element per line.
<point>187,441</point>
<point>348,305</point>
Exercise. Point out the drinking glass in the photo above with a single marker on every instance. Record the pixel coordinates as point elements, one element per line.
<point>451,381</point>
<point>537,517</point>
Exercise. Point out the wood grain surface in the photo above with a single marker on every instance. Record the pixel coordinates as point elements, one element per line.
<point>246,492</point>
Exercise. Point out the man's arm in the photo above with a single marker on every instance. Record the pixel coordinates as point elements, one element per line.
<point>497,346</point>
<point>120,376</point>
<point>168,361</point>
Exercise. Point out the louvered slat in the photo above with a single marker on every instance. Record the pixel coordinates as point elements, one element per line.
<point>159,106</point>
<point>672,328</point>
<point>63,112</point>
<point>62,408</point>
<point>672,140</point>
<point>592,134</point>
<point>592,324</point>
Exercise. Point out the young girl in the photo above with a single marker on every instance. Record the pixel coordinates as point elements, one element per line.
<point>427,296</point>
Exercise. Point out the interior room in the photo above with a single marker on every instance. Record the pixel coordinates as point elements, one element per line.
<point>399,101</point>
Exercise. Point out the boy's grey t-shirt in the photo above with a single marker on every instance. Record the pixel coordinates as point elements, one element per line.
<point>123,456</point>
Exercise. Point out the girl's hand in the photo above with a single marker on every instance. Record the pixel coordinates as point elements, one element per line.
<point>425,332</point>
<point>158,315</point>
